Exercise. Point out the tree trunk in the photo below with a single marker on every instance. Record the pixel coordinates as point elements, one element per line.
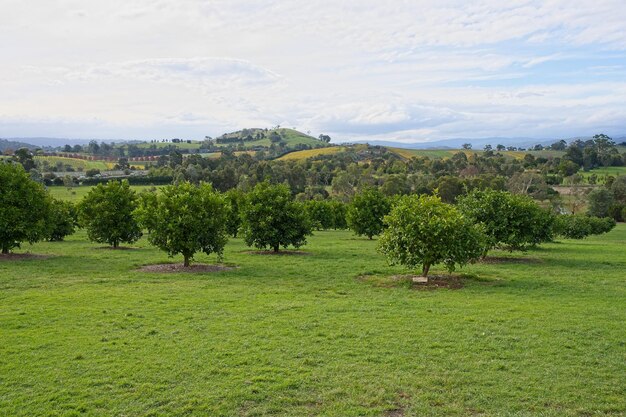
<point>115,244</point>
<point>276,248</point>
<point>186,260</point>
<point>425,270</point>
<point>5,250</point>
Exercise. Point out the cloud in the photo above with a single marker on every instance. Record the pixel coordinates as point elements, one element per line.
<point>356,68</point>
<point>193,71</point>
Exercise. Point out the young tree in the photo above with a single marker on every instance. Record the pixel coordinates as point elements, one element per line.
<point>271,218</point>
<point>62,221</point>
<point>512,220</point>
<point>600,199</point>
<point>235,200</point>
<point>365,214</point>
<point>339,209</point>
<point>24,208</point>
<point>185,219</point>
<point>320,212</point>
<point>424,231</point>
<point>107,214</point>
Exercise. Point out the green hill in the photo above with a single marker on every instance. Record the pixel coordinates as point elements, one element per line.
<point>256,137</point>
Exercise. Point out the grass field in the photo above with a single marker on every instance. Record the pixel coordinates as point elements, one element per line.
<point>84,333</point>
<point>77,193</point>
<point>603,172</point>
<point>76,163</point>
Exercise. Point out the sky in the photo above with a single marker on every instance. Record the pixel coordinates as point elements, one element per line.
<point>399,70</point>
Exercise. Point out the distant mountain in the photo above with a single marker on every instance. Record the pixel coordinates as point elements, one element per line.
<point>478,143</point>
<point>42,142</point>
<point>14,145</point>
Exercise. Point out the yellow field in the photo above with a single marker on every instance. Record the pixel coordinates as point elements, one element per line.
<point>310,153</point>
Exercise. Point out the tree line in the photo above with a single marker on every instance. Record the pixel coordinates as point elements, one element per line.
<point>417,231</point>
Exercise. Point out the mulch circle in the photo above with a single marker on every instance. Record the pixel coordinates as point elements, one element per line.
<point>20,256</point>
<point>279,253</point>
<point>118,248</point>
<point>434,281</point>
<point>193,268</point>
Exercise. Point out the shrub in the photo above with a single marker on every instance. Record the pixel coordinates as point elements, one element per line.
<point>107,214</point>
<point>600,199</point>
<point>62,221</point>
<point>424,231</point>
<point>573,226</point>
<point>365,215</point>
<point>320,213</point>
<point>579,226</point>
<point>271,218</point>
<point>512,220</point>
<point>185,219</point>
<point>235,200</point>
<point>24,208</point>
<point>601,225</point>
<point>339,214</point>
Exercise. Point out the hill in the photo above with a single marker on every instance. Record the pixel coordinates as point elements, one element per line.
<point>14,145</point>
<point>257,137</point>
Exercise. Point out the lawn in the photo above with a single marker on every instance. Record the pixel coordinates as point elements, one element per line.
<point>77,193</point>
<point>76,163</point>
<point>84,333</point>
<point>603,172</point>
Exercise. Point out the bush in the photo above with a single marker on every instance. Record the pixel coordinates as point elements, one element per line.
<point>185,219</point>
<point>235,200</point>
<point>579,226</point>
<point>511,220</point>
<point>24,208</point>
<point>600,199</point>
<point>573,226</point>
<point>424,231</point>
<point>271,218</point>
<point>62,221</point>
<point>365,215</point>
<point>107,214</point>
<point>320,213</point>
<point>339,214</point>
<point>601,225</point>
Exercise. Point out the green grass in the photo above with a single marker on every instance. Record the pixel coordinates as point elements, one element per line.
<point>84,333</point>
<point>77,193</point>
<point>604,171</point>
<point>76,163</point>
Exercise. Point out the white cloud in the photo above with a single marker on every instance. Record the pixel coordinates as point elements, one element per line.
<point>397,69</point>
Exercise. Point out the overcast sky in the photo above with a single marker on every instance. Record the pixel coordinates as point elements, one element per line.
<point>397,70</point>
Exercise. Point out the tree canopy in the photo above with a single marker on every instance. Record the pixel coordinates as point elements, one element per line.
<point>423,231</point>
<point>365,214</point>
<point>186,219</point>
<point>511,220</point>
<point>271,218</point>
<point>107,214</point>
<point>24,208</point>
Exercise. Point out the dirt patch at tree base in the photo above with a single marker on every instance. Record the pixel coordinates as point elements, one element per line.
<point>416,282</point>
<point>21,256</point>
<point>434,281</point>
<point>176,268</point>
<point>114,248</point>
<point>279,253</point>
<point>506,260</point>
